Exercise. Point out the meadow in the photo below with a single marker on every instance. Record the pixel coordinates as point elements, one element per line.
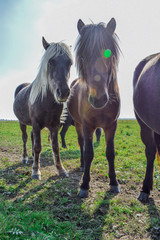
<point>51,209</point>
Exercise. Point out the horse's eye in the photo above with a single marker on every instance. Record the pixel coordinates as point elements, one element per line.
<point>82,60</point>
<point>52,62</point>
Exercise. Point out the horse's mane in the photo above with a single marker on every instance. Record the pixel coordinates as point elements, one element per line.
<point>41,82</point>
<point>91,42</point>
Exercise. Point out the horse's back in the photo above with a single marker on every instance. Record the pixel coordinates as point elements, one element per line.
<point>146,95</point>
<point>20,87</point>
<point>20,105</point>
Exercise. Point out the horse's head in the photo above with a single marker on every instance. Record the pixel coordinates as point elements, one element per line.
<point>58,69</point>
<point>96,59</point>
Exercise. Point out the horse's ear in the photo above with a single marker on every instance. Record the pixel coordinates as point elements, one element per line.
<point>45,43</point>
<point>111,26</point>
<point>80,25</point>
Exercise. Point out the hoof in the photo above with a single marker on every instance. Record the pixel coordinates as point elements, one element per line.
<point>114,189</point>
<point>81,169</point>
<point>25,160</point>
<point>143,197</point>
<point>83,193</point>
<point>63,173</point>
<point>38,177</point>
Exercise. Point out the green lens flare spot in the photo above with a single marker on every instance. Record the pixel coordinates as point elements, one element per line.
<point>107,53</point>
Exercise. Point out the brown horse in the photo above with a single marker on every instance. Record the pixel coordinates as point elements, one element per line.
<point>94,101</point>
<point>40,103</point>
<point>68,121</point>
<point>146,98</point>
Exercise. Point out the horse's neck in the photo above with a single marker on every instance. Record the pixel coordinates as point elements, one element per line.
<point>39,86</point>
<point>42,77</point>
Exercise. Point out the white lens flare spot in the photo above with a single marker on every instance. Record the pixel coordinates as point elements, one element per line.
<point>97,78</point>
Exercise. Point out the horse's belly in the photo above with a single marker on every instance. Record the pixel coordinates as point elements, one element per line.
<point>147,106</point>
<point>151,118</point>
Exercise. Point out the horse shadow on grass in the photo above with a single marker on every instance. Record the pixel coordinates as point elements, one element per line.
<point>9,173</point>
<point>47,159</point>
<point>20,174</point>
<point>154,213</point>
<point>59,198</point>
<point>11,176</point>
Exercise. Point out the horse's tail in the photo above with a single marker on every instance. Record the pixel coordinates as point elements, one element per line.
<point>157,141</point>
<point>20,87</point>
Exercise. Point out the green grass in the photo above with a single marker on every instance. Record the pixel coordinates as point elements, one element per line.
<point>50,208</point>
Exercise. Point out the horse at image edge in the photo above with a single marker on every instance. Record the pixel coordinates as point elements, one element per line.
<point>146,99</point>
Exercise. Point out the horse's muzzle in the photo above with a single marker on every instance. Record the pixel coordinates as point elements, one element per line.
<point>98,103</point>
<point>62,94</point>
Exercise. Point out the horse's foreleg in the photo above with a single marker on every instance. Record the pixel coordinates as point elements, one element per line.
<point>147,136</point>
<point>36,174</point>
<point>55,146</point>
<point>88,157</point>
<point>98,134</point>
<point>81,143</point>
<point>110,154</point>
<point>24,138</point>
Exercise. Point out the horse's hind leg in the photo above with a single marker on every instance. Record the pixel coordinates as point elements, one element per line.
<point>63,133</point>
<point>68,122</point>
<point>55,147</point>
<point>36,174</point>
<point>24,138</point>
<point>110,154</point>
<point>98,134</point>
<point>147,136</point>
<point>32,139</point>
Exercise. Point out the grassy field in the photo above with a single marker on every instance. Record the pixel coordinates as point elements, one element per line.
<point>50,209</point>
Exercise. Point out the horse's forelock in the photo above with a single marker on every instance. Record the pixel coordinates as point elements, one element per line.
<point>55,50</point>
<point>41,83</point>
<point>91,42</point>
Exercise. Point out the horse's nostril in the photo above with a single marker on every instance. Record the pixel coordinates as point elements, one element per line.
<point>58,92</point>
<point>62,94</point>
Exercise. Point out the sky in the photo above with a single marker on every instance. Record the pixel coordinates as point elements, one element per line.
<point>24,22</point>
